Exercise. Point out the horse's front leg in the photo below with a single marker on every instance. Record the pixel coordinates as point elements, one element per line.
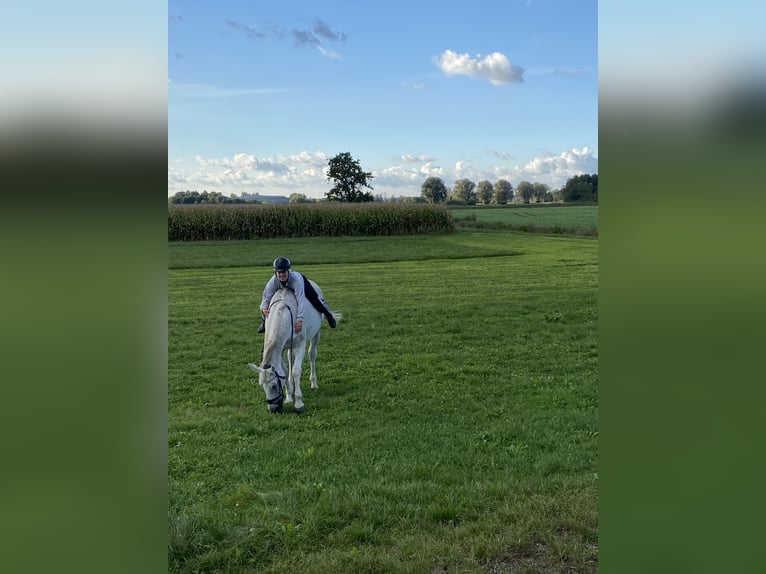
<point>295,375</point>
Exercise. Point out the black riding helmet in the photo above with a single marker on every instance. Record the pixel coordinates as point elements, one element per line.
<point>281,264</point>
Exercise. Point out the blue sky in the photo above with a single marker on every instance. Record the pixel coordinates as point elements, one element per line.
<point>262,94</point>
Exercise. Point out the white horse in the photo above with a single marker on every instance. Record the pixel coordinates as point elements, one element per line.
<point>281,337</point>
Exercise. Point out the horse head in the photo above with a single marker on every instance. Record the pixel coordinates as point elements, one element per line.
<point>273,385</point>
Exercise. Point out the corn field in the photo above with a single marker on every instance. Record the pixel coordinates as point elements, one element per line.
<point>267,221</point>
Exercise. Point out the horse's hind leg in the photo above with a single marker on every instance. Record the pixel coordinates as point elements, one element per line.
<point>313,360</point>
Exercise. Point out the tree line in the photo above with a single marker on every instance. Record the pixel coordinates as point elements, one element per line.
<point>350,180</point>
<point>580,188</point>
<point>187,197</point>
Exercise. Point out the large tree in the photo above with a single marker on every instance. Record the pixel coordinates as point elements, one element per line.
<point>464,190</point>
<point>581,188</point>
<point>503,191</point>
<point>349,179</point>
<point>433,190</point>
<point>525,191</point>
<point>484,191</point>
<point>541,191</point>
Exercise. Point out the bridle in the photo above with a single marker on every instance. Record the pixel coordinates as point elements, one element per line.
<point>280,398</point>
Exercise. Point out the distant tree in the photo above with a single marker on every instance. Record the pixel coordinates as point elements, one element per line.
<point>349,179</point>
<point>191,197</point>
<point>581,188</point>
<point>464,190</point>
<point>540,191</point>
<point>433,190</point>
<point>503,191</point>
<point>525,191</point>
<point>298,198</point>
<point>484,191</point>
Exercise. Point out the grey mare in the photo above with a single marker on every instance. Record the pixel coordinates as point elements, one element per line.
<point>280,385</point>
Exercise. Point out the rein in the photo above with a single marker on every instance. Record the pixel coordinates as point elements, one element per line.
<point>279,399</point>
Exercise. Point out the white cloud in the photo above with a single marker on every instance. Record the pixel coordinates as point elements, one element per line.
<point>409,158</point>
<point>302,172</point>
<point>495,67</point>
<point>500,154</point>
<point>205,91</point>
<point>567,163</point>
<point>429,169</point>
<point>327,53</point>
<point>206,162</point>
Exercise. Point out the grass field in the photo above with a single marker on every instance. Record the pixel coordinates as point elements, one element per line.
<point>581,218</point>
<point>455,424</point>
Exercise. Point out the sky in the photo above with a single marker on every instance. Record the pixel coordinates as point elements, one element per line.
<point>262,94</point>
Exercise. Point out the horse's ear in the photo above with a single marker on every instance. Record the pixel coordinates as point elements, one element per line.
<point>256,368</point>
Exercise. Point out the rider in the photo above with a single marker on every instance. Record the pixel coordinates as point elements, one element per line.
<point>297,282</point>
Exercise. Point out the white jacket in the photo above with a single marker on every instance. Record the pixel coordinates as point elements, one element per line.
<point>294,282</point>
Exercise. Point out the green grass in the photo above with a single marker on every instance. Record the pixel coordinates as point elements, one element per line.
<point>334,250</point>
<point>548,218</point>
<point>455,424</point>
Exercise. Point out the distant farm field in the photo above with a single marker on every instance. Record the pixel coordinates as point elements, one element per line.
<point>554,218</point>
<point>455,428</point>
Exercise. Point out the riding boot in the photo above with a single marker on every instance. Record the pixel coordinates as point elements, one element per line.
<point>330,318</point>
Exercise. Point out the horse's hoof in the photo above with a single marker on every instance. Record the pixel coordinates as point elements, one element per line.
<point>299,410</point>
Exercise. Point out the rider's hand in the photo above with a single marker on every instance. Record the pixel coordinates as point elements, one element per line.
<point>298,326</point>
